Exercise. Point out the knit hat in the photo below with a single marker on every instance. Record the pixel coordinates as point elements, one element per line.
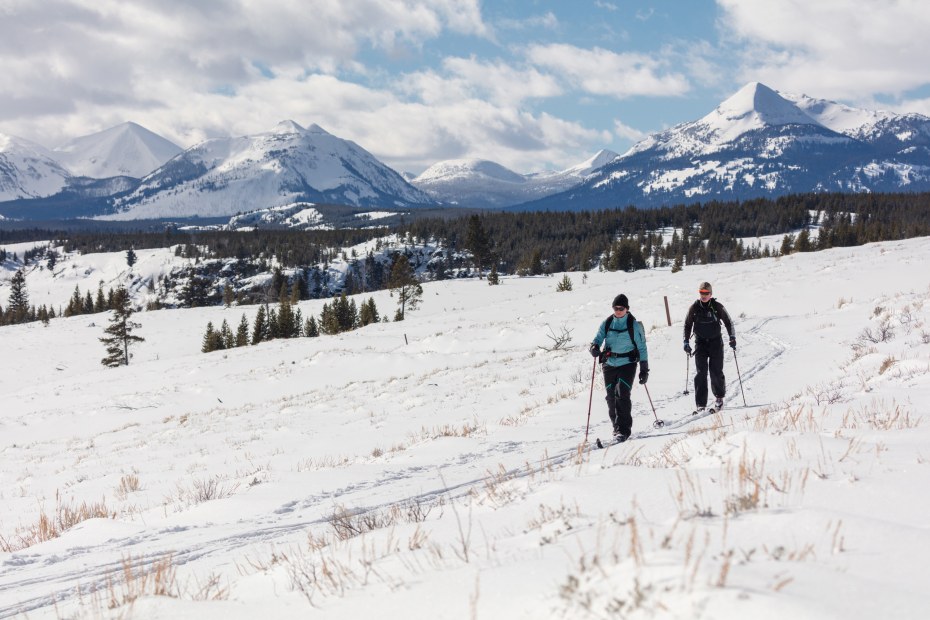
<point>621,300</point>
<point>705,286</point>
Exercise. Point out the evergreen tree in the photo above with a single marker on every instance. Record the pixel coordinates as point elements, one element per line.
<point>52,259</point>
<point>477,242</point>
<point>260,327</point>
<point>368,313</point>
<point>17,308</point>
<point>564,285</point>
<point>228,295</point>
<point>208,343</point>
<point>88,305</point>
<point>404,284</point>
<point>100,303</point>
<point>310,328</point>
<point>493,277</point>
<point>131,257</point>
<point>229,341</point>
<point>285,318</point>
<point>119,333</point>
<point>242,333</point>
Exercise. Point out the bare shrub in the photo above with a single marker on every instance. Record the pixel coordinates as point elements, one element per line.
<point>887,363</point>
<point>560,341</point>
<point>882,333</point>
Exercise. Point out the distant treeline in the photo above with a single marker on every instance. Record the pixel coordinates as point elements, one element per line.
<point>552,242</point>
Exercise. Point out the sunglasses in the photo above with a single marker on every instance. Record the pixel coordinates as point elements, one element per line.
<point>619,307</point>
<point>704,293</point>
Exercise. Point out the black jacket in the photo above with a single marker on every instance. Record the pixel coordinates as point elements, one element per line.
<point>705,319</point>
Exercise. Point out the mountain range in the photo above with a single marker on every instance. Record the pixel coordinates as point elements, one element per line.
<point>761,143</point>
<point>757,143</point>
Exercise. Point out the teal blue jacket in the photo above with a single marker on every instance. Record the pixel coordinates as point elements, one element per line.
<point>617,339</point>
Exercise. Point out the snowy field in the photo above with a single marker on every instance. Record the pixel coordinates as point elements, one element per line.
<point>435,468</point>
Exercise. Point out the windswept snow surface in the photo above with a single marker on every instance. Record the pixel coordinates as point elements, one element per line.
<point>456,439</point>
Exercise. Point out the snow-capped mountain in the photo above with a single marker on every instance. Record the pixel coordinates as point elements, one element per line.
<point>224,176</point>
<point>481,183</point>
<point>762,143</point>
<point>28,170</point>
<point>125,150</point>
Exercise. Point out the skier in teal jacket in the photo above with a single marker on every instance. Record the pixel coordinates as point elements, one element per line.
<point>624,345</point>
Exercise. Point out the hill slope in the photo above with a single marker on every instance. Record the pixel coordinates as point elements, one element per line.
<point>437,459</point>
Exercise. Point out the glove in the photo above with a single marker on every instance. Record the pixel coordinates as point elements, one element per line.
<point>733,342</point>
<point>643,372</point>
<point>595,350</point>
<point>688,348</point>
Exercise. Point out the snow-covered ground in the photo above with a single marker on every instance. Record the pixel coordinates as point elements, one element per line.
<point>434,468</point>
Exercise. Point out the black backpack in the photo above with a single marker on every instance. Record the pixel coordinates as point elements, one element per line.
<point>631,322</point>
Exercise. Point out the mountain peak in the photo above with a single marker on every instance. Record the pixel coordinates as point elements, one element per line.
<point>757,104</point>
<point>600,159</point>
<point>127,149</point>
<point>287,126</point>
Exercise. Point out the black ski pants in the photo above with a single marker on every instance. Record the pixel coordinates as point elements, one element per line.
<point>708,355</point>
<point>618,380</point>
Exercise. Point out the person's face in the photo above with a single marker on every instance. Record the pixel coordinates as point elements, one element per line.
<point>705,295</point>
<point>620,311</point>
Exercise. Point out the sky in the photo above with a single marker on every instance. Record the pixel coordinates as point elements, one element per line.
<point>532,85</point>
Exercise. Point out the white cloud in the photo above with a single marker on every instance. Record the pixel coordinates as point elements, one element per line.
<point>105,58</point>
<point>848,49</point>
<point>625,132</point>
<point>603,72</point>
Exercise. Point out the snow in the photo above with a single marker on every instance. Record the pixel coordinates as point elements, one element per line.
<point>28,170</point>
<point>458,435</point>
<point>270,169</point>
<point>127,149</point>
<point>483,183</point>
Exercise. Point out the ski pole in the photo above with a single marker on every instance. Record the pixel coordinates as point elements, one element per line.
<point>687,371</point>
<point>658,423</point>
<point>740,378</point>
<point>590,398</point>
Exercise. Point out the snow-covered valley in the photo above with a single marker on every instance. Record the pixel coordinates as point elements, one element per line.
<point>435,468</point>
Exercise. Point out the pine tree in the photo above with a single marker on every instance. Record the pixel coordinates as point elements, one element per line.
<point>285,318</point>
<point>310,328</point>
<point>228,295</point>
<point>100,304</point>
<point>242,333</point>
<point>260,327</point>
<point>209,339</point>
<point>229,341</point>
<point>130,257</point>
<point>18,304</point>
<point>405,285</point>
<point>88,306</point>
<point>493,277</point>
<point>564,285</point>
<point>52,259</point>
<point>119,333</point>
<point>477,242</point>
<point>368,313</point>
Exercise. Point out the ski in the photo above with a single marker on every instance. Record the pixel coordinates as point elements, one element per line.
<point>600,445</point>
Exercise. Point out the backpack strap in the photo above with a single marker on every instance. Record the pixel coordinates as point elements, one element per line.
<point>630,325</point>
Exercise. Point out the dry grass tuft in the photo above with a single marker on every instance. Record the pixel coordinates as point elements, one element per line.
<point>49,526</point>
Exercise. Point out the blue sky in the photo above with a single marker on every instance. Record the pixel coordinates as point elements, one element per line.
<point>532,85</point>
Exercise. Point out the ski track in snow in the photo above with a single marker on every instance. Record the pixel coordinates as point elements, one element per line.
<point>290,519</point>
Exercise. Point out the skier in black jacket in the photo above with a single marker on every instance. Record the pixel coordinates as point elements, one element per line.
<point>704,316</point>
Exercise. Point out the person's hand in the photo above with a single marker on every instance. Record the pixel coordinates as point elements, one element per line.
<point>643,372</point>
<point>688,348</point>
<point>733,342</point>
<point>595,350</point>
